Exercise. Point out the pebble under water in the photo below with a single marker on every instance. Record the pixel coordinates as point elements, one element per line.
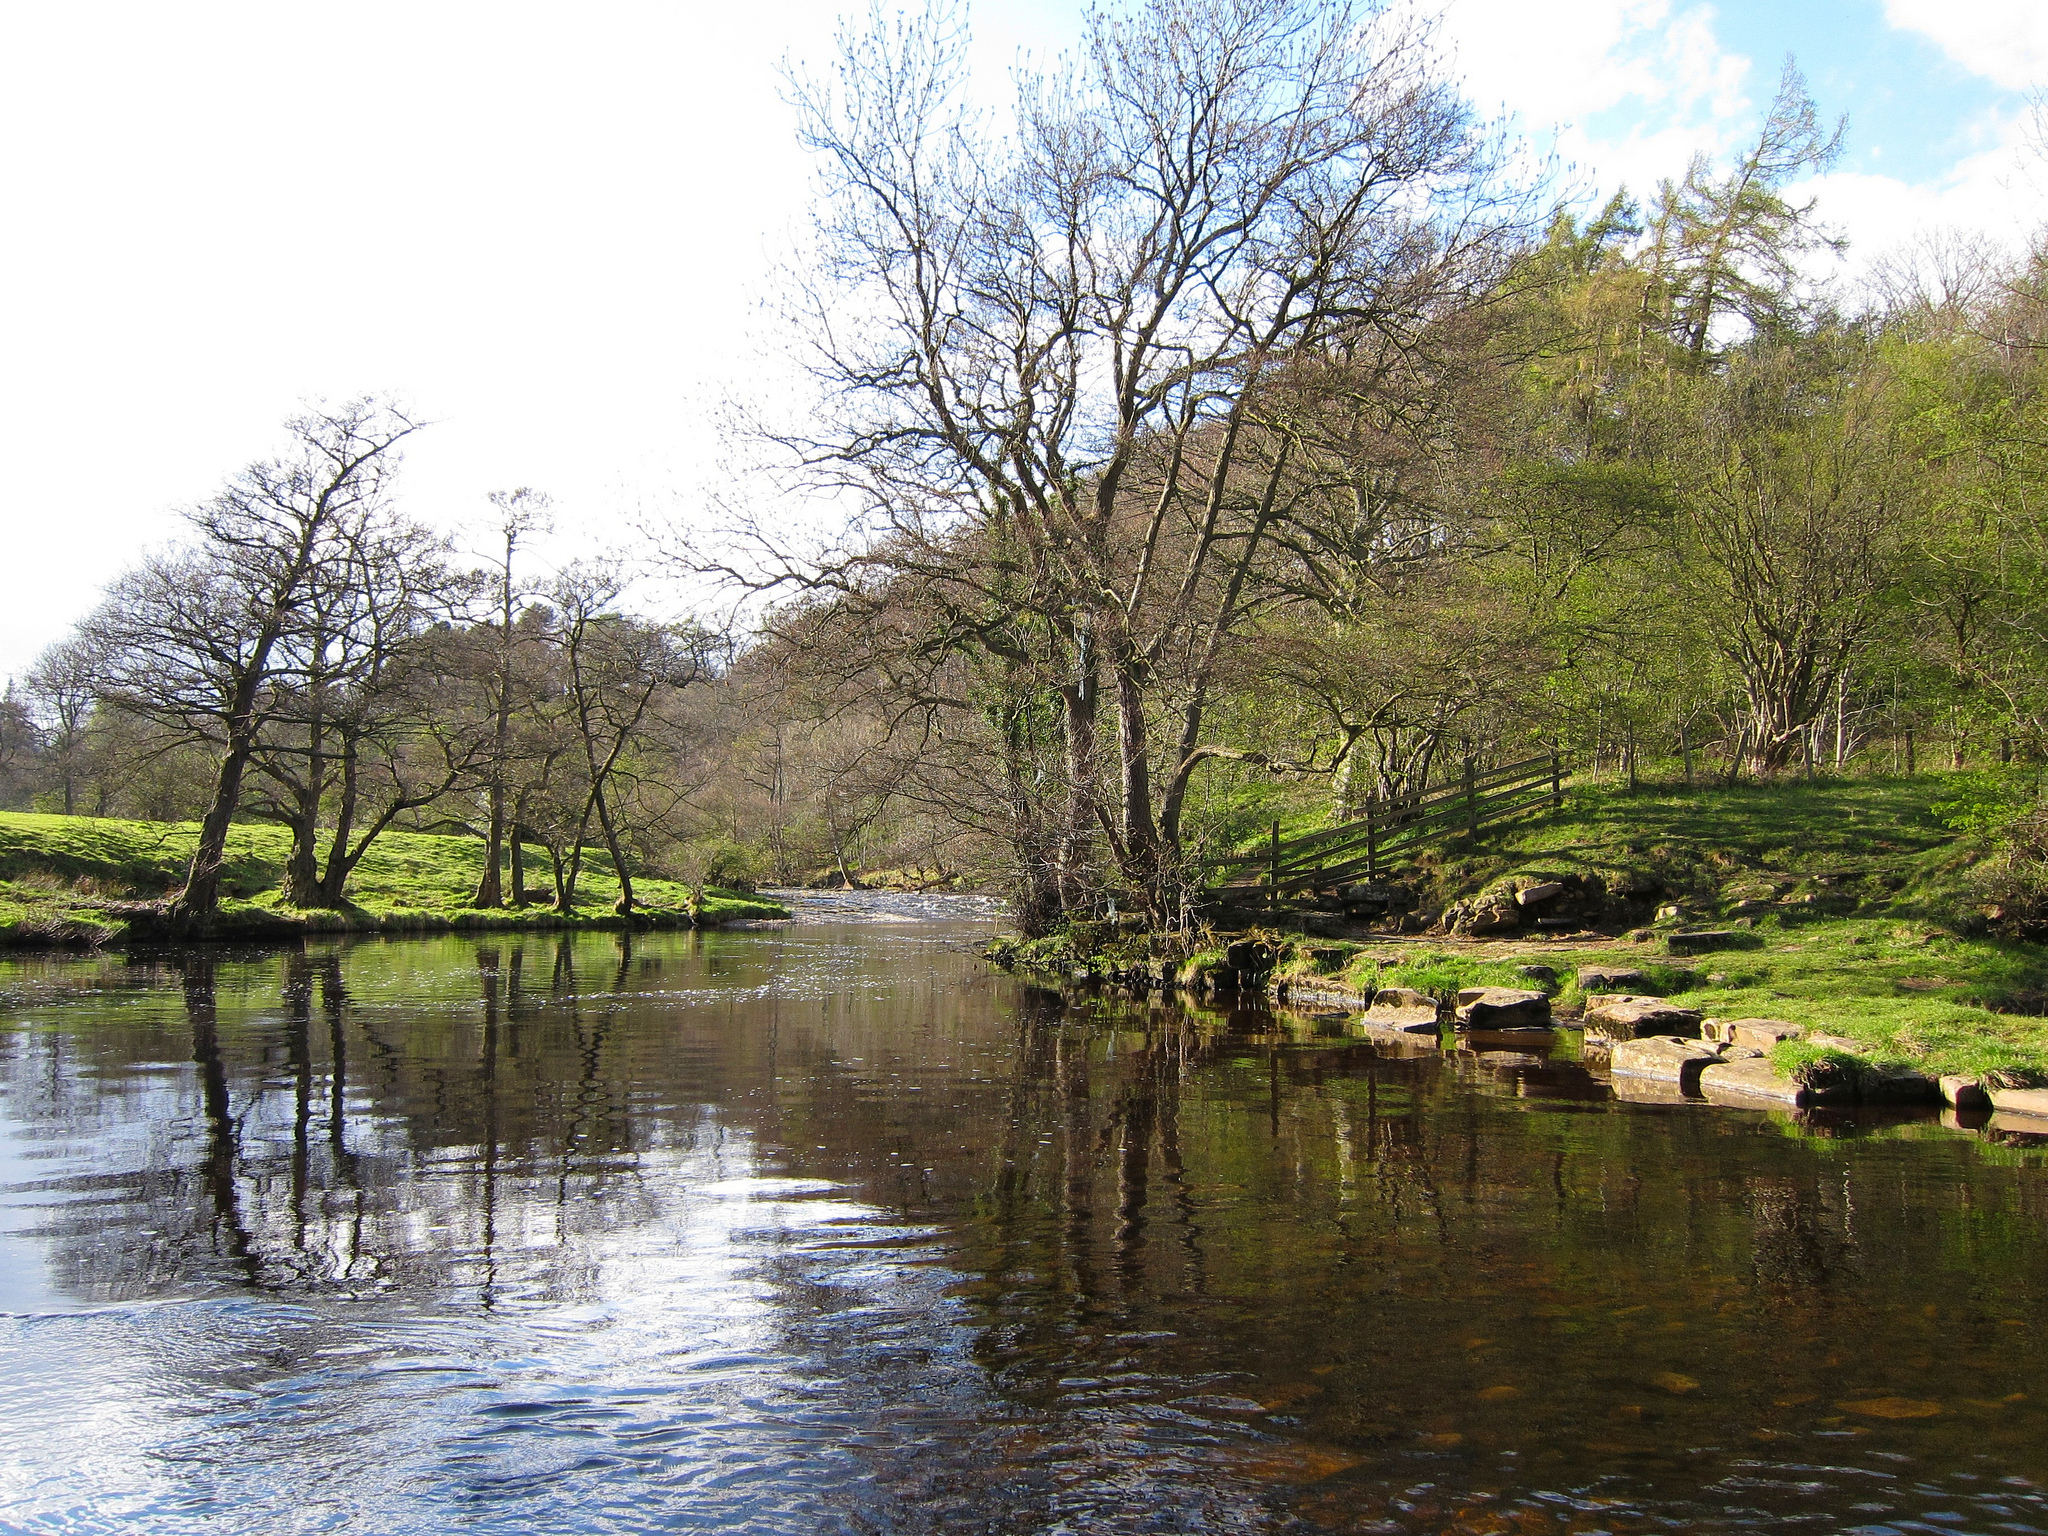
<point>824,1227</point>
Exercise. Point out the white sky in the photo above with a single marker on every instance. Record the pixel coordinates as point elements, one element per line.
<point>548,226</point>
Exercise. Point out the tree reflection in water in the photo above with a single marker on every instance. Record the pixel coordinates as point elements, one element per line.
<point>1018,1257</point>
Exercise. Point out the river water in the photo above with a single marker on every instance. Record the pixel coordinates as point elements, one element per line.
<point>823,1227</point>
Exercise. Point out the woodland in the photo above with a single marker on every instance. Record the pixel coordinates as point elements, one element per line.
<point>1240,429</point>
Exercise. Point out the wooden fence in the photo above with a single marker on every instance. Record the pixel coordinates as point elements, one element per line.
<point>1360,850</point>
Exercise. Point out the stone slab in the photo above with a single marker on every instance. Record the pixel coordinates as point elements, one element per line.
<point>1502,1008</point>
<point>1664,1058</point>
<point>1753,1082</point>
<point>1402,997</point>
<point>1964,1093</point>
<point>1404,1019</point>
<point>2021,1101</point>
<point>1630,1018</point>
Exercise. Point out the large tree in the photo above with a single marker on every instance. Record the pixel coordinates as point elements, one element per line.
<point>1054,350</point>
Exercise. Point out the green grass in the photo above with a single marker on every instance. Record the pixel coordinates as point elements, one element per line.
<point>57,870</point>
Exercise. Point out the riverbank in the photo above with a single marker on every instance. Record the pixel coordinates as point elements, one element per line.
<point>89,882</point>
<point>1848,911</point>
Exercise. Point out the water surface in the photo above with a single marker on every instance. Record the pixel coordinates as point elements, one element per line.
<point>822,1227</point>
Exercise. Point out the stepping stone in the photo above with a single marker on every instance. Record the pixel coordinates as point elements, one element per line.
<point>1664,1058</point>
<point>1760,1033</point>
<point>1964,1093</point>
<point>1407,1019</point>
<point>1625,1017</point>
<point>1754,1082</point>
<point>2021,1101</point>
<point>1402,997</point>
<point>1502,1008</point>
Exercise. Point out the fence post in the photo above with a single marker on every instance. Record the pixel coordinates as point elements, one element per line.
<point>1274,877</point>
<point>1556,782</point>
<point>1472,798</point>
<point>1372,848</point>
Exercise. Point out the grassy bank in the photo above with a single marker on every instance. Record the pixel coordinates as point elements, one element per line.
<point>63,879</point>
<point>1850,908</point>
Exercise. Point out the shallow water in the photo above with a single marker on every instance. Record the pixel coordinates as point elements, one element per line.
<point>823,1227</point>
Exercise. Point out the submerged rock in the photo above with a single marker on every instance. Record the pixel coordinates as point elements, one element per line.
<point>1623,1016</point>
<point>1502,1008</point>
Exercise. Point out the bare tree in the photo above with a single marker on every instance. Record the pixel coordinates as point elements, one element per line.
<point>614,668</point>
<point>193,638</point>
<point>1060,341</point>
<point>63,690</point>
<point>520,512</point>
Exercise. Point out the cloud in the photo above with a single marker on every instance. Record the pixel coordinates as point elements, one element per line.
<point>1586,68</point>
<point>2005,41</point>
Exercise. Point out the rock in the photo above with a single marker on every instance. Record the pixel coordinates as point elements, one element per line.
<point>1700,941</point>
<point>1542,975</point>
<point>1628,1017</point>
<point>1760,1033</point>
<point>1753,1081</point>
<point>1490,920</point>
<point>1828,1042</point>
<point>1502,1008</point>
<point>1615,978</point>
<point>1403,997</point>
<point>1542,891</point>
<point>1402,1019</point>
<point>1964,1093</point>
<point>1670,914</point>
<point>1887,1083</point>
<point>1664,1058</point>
<point>1640,935</point>
<point>2020,1101</point>
<point>1249,957</point>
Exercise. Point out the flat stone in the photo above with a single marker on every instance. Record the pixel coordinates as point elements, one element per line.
<point>1407,1019</point>
<point>1625,1017</point>
<point>1829,1042</point>
<point>1502,1008</point>
<point>1964,1093</point>
<point>1666,1058</point>
<point>2020,1101</point>
<point>1403,997</point>
<point>1760,1033</point>
<point>1640,935</point>
<point>1753,1080</point>
<point>1543,890</point>
<point>1700,941</point>
<point>1542,975</point>
<point>1615,978</point>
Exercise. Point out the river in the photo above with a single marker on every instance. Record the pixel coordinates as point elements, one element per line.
<point>824,1227</point>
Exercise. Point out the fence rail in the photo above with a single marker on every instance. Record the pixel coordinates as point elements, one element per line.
<point>1360,850</point>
